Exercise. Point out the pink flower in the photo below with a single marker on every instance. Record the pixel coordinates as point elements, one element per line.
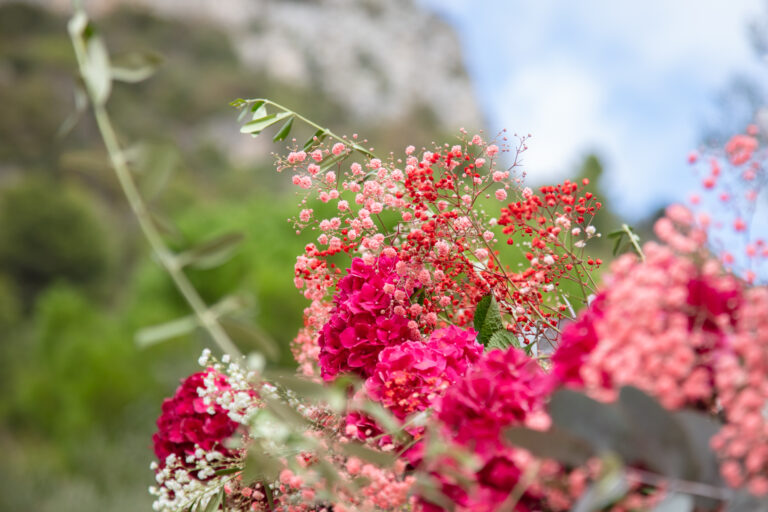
<point>501,390</point>
<point>740,148</point>
<point>659,325</point>
<point>363,322</point>
<point>186,423</point>
<point>459,347</point>
<point>578,340</point>
<point>408,377</point>
<point>492,150</point>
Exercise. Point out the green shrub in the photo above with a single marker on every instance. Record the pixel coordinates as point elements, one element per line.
<point>50,233</point>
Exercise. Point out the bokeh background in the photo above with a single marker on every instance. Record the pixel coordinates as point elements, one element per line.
<point>614,92</point>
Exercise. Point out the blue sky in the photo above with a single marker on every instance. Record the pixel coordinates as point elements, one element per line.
<point>632,81</point>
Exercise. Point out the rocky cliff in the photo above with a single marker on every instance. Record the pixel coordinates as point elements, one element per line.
<point>377,58</point>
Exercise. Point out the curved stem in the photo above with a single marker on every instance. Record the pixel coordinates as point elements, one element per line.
<point>206,318</point>
<point>633,239</point>
<point>308,122</point>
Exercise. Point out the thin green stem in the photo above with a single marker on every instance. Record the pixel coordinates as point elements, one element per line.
<point>327,132</point>
<point>633,240</point>
<point>205,316</point>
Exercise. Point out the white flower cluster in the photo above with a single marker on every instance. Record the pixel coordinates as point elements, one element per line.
<point>180,486</point>
<point>239,400</point>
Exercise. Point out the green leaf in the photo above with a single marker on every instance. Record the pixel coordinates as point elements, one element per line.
<point>155,334</point>
<point>319,135</point>
<point>284,131</point>
<point>314,391</point>
<point>77,23</point>
<point>487,319</point>
<point>381,416</point>
<point>361,149</point>
<point>554,444</point>
<point>260,465</point>
<point>609,488</point>
<point>328,163</point>
<point>675,502</point>
<point>256,126</point>
<point>135,67</point>
<point>428,488</point>
<point>660,440</point>
<point>156,162</point>
<point>227,471</point>
<point>700,428</point>
<point>375,457</point>
<point>745,502</point>
<point>96,71</point>
<point>165,225</point>
<point>601,425</point>
<point>215,501</point>
<point>256,108</point>
<point>502,339</point>
<point>211,253</point>
<point>617,244</point>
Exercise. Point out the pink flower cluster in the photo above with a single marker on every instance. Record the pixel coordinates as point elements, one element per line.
<point>363,321</point>
<point>659,326</point>
<point>734,177</point>
<point>409,377</point>
<point>680,328</point>
<point>742,388</point>
<point>189,422</point>
<point>503,389</point>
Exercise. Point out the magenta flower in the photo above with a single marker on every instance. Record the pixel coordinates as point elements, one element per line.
<point>363,323</point>
<point>501,390</point>
<point>186,423</point>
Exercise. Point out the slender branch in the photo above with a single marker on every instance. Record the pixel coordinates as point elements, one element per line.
<point>326,131</point>
<point>205,316</point>
<point>633,239</point>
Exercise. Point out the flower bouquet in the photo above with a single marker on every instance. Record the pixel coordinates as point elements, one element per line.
<point>461,350</point>
<point>458,354</point>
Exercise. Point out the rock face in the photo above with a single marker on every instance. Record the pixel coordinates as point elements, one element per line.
<point>376,58</point>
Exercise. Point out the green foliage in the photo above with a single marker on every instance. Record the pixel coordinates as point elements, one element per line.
<point>488,323</point>
<point>10,308</point>
<point>487,319</point>
<point>80,364</point>
<point>635,430</point>
<point>50,233</point>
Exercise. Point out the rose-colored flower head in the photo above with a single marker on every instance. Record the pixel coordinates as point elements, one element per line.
<point>459,347</point>
<point>408,377</point>
<point>659,325</point>
<point>578,340</point>
<point>188,422</point>
<point>411,376</point>
<point>363,322</point>
<point>501,390</point>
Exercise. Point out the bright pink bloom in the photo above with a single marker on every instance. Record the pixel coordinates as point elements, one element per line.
<point>740,148</point>
<point>459,347</point>
<point>186,423</point>
<point>502,389</point>
<point>578,340</point>
<point>363,322</point>
<point>408,378</point>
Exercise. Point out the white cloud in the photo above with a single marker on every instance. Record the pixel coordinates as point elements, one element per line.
<point>631,79</point>
<point>561,106</point>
